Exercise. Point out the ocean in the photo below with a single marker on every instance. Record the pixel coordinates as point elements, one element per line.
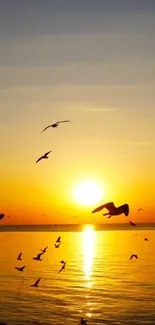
<point>99,283</point>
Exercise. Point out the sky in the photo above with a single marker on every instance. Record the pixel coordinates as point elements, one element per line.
<point>90,62</point>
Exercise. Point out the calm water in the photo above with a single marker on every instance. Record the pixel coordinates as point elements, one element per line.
<point>99,283</point>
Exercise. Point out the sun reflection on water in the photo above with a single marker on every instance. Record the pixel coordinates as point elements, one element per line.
<point>88,251</point>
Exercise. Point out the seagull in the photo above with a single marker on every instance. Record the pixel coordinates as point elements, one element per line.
<point>38,257</point>
<point>63,267</point>
<point>55,125</point>
<point>140,209</point>
<point>146,239</point>
<point>58,240</point>
<point>133,255</point>
<point>20,268</point>
<point>57,246</point>
<point>113,211</point>
<point>36,283</point>
<point>83,321</point>
<point>132,223</point>
<point>45,156</point>
<point>44,250</point>
<point>2,215</point>
<point>19,257</point>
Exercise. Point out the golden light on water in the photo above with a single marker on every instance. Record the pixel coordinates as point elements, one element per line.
<point>88,251</point>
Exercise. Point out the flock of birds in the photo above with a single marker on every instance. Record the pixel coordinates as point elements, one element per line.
<point>110,206</point>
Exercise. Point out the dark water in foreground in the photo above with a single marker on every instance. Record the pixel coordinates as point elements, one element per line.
<point>99,283</point>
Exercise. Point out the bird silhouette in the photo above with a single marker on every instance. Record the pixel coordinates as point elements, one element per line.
<point>133,255</point>
<point>132,223</point>
<point>45,156</point>
<point>54,125</point>
<point>20,268</point>
<point>44,249</point>
<point>58,239</point>
<point>2,215</point>
<point>19,258</point>
<point>36,283</point>
<point>38,257</point>
<point>83,321</point>
<point>113,211</point>
<point>57,245</point>
<point>146,239</point>
<point>63,267</point>
<point>140,209</point>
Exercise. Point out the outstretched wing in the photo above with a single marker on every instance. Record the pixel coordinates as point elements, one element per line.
<point>132,223</point>
<point>63,121</point>
<point>140,209</point>
<point>125,209</point>
<point>39,159</point>
<point>45,128</point>
<point>47,153</point>
<point>19,256</point>
<point>39,255</point>
<point>36,283</point>
<point>109,206</point>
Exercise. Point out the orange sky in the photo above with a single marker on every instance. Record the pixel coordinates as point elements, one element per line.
<point>97,70</point>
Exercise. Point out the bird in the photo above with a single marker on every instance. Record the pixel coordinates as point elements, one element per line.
<point>54,125</point>
<point>44,249</point>
<point>38,257</point>
<point>132,223</point>
<point>63,267</point>
<point>140,209</point>
<point>2,215</point>
<point>36,283</point>
<point>20,268</point>
<point>45,156</point>
<point>57,246</point>
<point>58,239</point>
<point>146,239</point>
<point>19,258</point>
<point>133,255</point>
<point>83,321</point>
<point>113,211</point>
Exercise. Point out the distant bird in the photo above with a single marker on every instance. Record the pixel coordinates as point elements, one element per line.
<point>146,239</point>
<point>45,156</point>
<point>133,255</point>
<point>20,268</point>
<point>37,258</point>
<point>2,215</point>
<point>44,249</point>
<point>132,223</point>
<point>36,283</point>
<point>62,262</point>
<point>58,240</point>
<point>54,125</point>
<point>63,267</point>
<point>19,258</point>
<point>140,209</point>
<point>83,322</point>
<point>113,211</point>
<point>57,245</point>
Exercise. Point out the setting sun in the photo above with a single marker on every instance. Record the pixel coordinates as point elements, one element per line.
<point>87,192</point>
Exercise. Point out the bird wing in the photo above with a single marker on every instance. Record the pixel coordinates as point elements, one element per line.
<point>61,269</point>
<point>63,121</point>
<point>140,209</point>
<point>125,208</point>
<point>132,223</point>
<point>39,159</point>
<point>19,256</point>
<point>45,128</point>
<point>38,255</point>
<point>108,206</point>
<point>47,153</point>
<point>37,281</point>
<point>2,215</point>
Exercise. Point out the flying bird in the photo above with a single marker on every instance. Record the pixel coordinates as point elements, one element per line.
<point>36,283</point>
<point>2,215</point>
<point>54,125</point>
<point>140,209</point>
<point>20,268</point>
<point>83,321</point>
<point>133,255</point>
<point>146,239</point>
<point>57,245</point>
<point>63,267</point>
<point>38,257</point>
<point>113,211</point>
<point>58,240</point>
<point>19,258</point>
<point>44,250</point>
<point>45,156</point>
<point>132,223</point>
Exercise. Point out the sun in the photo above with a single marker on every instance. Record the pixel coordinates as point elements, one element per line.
<point>87,192</point>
